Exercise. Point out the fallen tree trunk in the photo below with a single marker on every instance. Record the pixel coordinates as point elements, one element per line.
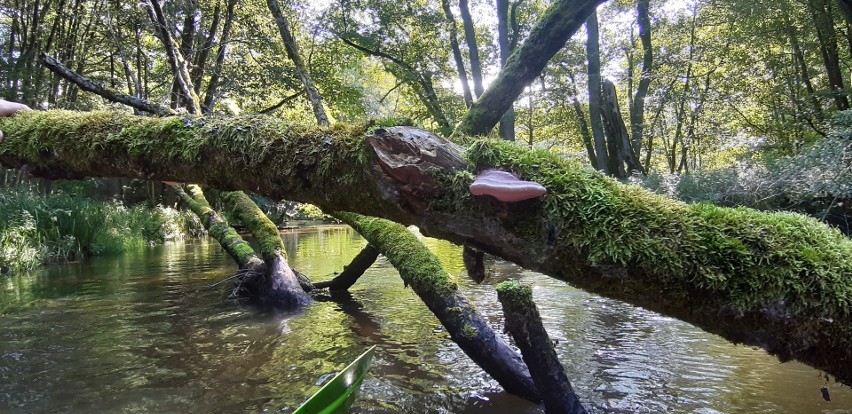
<point>779,281</point>
<point>250,264</point>
<point>421,270</point>
<point>279,286</point>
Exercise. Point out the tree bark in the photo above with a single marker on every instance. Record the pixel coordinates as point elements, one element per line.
<point>472,48</point>
<point>559,23</point>
<point>421,270</point>
<point>593,57</point>
<point>524,324</point>
<point>774,280</point>
<point>824,24</point>
<point>637,106</point>
<point>507,122</point>
<point>583,125</point>
<point>616,131</point>
<point>293,53</point>
<point>457,56</point>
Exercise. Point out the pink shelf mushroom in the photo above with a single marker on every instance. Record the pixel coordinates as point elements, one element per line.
<point>505,186</point>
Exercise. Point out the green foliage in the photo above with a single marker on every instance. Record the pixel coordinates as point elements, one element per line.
<point>812,181</point>
<point>60,227</point>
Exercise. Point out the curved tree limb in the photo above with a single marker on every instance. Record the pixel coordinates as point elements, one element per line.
<point>350,274</point>
<point>547,37</point>
<point>90,85</point>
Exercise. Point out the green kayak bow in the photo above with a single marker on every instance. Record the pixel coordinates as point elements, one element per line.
<point>336,396</point>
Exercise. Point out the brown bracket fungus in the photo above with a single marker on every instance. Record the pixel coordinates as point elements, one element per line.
<point>505,186</point>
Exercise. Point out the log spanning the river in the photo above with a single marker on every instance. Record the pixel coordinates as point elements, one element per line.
<point>780,281</point>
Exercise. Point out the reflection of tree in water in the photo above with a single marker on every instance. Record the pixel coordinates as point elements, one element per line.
<point>364,325</point>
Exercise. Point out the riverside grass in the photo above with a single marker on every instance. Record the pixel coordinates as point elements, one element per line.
<point>39,229</point>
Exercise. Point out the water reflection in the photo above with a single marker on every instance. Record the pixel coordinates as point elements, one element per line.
<point>144,333</point>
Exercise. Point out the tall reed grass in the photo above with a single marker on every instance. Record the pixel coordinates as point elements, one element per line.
<point>37,229</point>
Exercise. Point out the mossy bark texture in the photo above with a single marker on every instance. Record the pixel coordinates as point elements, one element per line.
<point>524,324</point>
<point>780,281</point>
<point>422,271</point>
<point>219,229</point>
<point>279,287</point>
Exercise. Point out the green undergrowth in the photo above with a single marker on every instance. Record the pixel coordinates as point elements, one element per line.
<point>37,229</point>
<point>753,259</point>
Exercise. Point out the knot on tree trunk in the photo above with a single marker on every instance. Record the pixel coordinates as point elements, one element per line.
<point>409,157</point>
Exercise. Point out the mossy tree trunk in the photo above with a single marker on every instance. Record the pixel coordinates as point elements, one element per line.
<point>421,270</point>
<point>524,324</point>
<point>279,287</point>
<point>779,281</point>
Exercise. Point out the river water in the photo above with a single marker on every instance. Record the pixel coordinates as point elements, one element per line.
<point>144,333</point>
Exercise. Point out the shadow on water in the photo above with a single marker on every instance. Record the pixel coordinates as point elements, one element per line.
<point>144,333</point>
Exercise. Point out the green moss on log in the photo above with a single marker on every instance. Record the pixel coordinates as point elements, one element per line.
<point>516,293</point>
<point>755,260</point>
<point>217,227</point>
<point>263,229</point>
<point>191,149</point>
<point>417,266</point>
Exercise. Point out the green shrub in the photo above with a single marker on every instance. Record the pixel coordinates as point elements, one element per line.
<point>36,229</point>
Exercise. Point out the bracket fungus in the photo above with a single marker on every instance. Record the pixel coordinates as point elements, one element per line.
<point>505,186</point>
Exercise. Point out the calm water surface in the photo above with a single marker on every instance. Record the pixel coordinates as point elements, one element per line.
<point>145,333</point>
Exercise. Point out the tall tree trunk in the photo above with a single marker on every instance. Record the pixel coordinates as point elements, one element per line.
<point>293,53</point>
<point>472,48</point>
<point>824,25</point>
<point>457,56</point>
<point>593,57</point>
<point>507,122</point>
<point>621,150</point>
<point>637,107</point>
<point>211,95</point>
<point>583,125</point>
<point>175,57</point>
<point>197,71</point>
<point>187,37</point>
